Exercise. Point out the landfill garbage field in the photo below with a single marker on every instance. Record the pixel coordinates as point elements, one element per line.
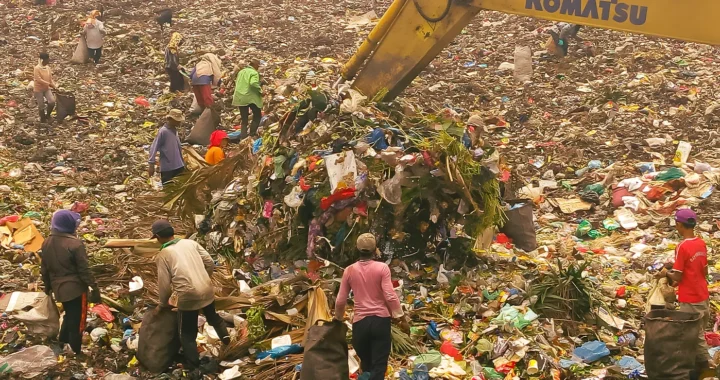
<point>523,206</point>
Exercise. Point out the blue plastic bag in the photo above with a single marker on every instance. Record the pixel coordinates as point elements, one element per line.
<point>377,139</point>
<point>257,144</point>
<point>432,331</point>
<point>592,351</point>
<point>419,373</point>
<point>281,351</point>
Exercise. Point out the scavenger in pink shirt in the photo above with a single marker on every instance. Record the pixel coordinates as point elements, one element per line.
<point>375,303</point>
<point>372,289</point>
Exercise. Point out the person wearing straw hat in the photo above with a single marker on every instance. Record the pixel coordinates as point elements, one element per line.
<point>185,267</point>
<point>167,143</point>
<point>376,303</point>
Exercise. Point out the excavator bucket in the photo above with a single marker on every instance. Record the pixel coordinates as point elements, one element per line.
<point>412,33</point>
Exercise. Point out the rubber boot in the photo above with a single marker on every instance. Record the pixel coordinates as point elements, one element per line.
<point>43,116</point>
<point>254,127</point>
<point>49,112</point>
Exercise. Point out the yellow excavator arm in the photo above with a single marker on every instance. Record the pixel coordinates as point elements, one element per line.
<point>412,33</point>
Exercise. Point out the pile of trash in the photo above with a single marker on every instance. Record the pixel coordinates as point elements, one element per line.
<point>318,182</point>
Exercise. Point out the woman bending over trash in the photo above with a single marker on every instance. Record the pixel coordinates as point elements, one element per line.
<point>172,63</point>
<point>43,82</point>
<point>206,75</point>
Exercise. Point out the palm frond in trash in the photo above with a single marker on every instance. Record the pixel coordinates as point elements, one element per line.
<point>186,192</point>
<point>564,293</point>
<point>318,308</point>
<point>402,343</point>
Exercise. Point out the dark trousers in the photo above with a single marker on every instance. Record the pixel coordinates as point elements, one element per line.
<point>371,339</point>
<point>177,80</point>
<point>244,114</point>
<point>168,176</point>
<point>73,324</point>
<point>95,54</point>
<point>188,325</point>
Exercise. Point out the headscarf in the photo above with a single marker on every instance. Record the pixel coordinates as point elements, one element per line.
<point>217,137</point>
<point>210,64</point>
<point>65,221</point>
<point>175,40</point>
<point>92,16</point>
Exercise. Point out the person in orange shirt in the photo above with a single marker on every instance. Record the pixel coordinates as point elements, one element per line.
<point>216,150</point>
<point>43,82</point>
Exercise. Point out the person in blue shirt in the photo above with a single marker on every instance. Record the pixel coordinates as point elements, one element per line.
<point>167,143</point>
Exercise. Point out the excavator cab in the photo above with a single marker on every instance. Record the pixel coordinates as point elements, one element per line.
<point>412,33</point>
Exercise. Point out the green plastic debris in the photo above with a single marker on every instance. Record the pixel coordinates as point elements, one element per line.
<point>594,234</point>
<point>597,188</point>
<point>670,174</point>
<point>32,215</point>
<point>610,224</point>
<point>484,345</point>
<point>431,359</point>
<point>491,374</point>
<point>490,296</point>
<point>583,228</point>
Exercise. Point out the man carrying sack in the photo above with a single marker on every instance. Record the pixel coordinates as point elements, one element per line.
<point>185,267</point>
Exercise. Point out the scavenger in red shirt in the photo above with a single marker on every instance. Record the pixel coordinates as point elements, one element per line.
<point>690,273</point>
<point>691,261</point>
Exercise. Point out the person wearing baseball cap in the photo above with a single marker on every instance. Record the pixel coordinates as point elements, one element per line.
<point>375,305</point>
<point>690,274</point>
<point>185,267</point>
<point>167,143</point>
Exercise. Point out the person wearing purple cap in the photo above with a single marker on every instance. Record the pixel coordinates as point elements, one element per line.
<point>65,273</point>
<point>690,274</point>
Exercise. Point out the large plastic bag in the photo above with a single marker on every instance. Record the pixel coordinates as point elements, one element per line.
<point>195,108</point>
<point>391,189</point>
<point>669,336</point>
<point>65,105</point>
<point>326,353</point>
<point>656,297</point>
<point>523,64</point>
<point>204,127</point>
<point>520,226</point>
<point>30,362</point>
<point>81,54</point>
<point>43,319</point>
<point>159,339</point>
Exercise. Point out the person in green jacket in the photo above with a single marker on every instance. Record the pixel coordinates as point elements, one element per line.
<point>248,96</point>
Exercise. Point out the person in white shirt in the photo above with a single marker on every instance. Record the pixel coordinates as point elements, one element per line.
<point>185,267</point>
<point>94,32</point>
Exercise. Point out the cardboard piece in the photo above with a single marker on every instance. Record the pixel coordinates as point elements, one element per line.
<point>569,206</point>
<point>22,232</point>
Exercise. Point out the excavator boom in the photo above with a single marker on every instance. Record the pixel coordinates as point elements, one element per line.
<point>412,33</point>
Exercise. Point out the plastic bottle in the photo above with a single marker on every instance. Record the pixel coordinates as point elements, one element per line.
<point>628,339</point>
